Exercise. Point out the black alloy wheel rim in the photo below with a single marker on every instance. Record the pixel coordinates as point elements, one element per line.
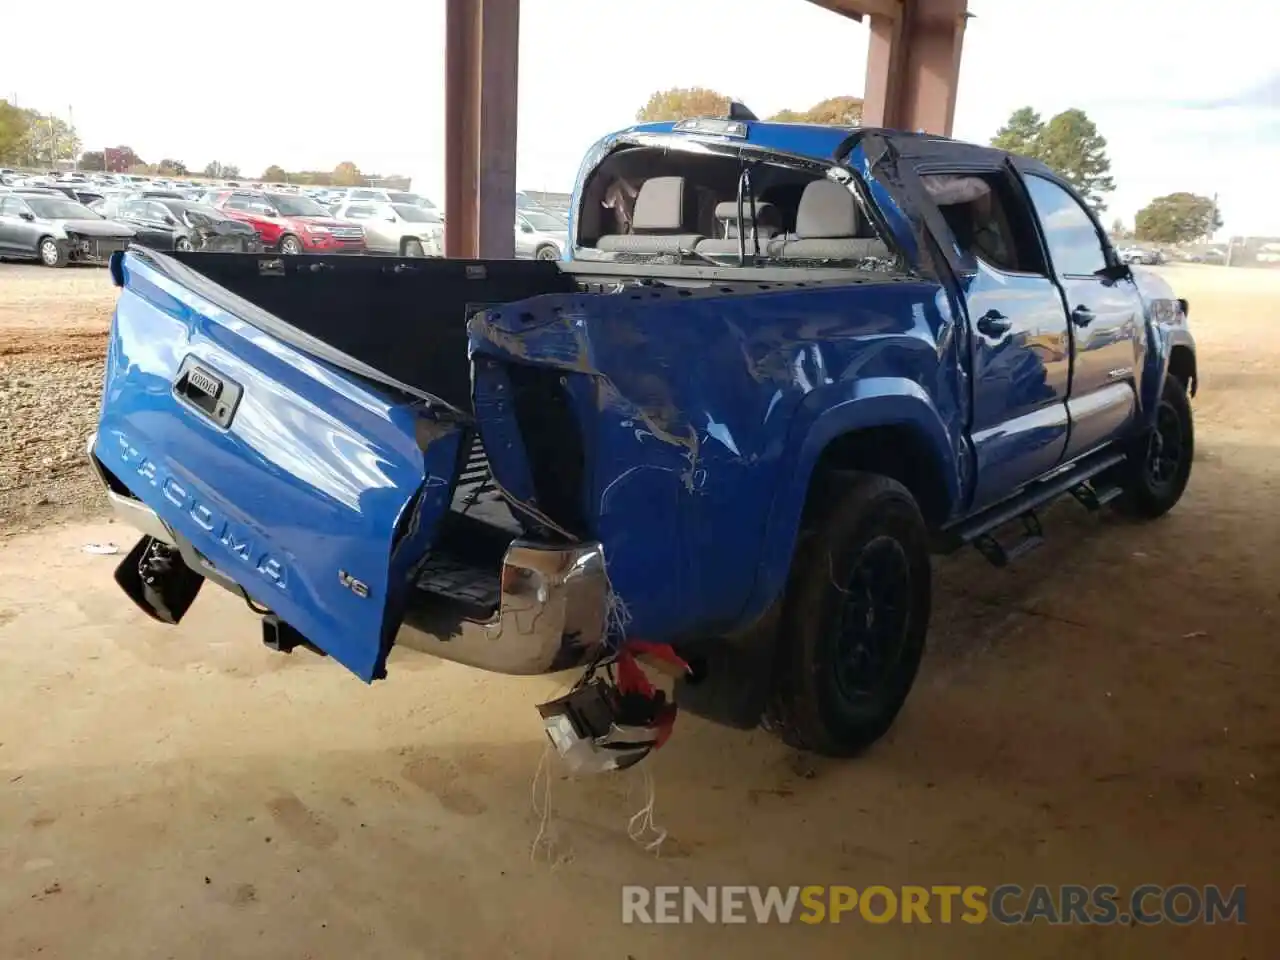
<point>872,621</point>
<point>1165,448</point>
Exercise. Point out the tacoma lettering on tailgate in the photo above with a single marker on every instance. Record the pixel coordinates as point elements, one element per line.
<point>237,541</point>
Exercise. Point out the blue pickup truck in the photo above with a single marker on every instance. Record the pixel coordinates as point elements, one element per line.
<point>780,366</point>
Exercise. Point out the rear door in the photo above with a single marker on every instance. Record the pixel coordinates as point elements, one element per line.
<point>1107,328</point>
<point>310,480</point>
<point>1018,336</point>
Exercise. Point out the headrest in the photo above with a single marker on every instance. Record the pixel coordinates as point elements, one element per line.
<point>951,189</point>
<point>729,211</point>
<point>827,211</point>
<point>659,204</point>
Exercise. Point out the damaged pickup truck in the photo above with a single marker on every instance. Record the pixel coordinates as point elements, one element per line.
<point>780,366</point>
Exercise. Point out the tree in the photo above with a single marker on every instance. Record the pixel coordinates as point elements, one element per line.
<point>347,174</point>
<point>275,174</point>
<point>93,160</point>
<point>838,111</point>
<point>680,103</point>
<point>1069,144</point>
<point>1177,218</point>
<point>172,168</point>
<point>1072,146</point>
<point>13,133</point>
<point>1119,231</point>
<point>221,171</point>
<point>49,139</point>
<point>1021,133</point>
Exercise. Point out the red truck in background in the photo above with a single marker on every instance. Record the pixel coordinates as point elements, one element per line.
<point>289,223</point>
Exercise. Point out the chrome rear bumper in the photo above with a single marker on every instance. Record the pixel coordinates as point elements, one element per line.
<point>551,613</point>
<point>128,510</point>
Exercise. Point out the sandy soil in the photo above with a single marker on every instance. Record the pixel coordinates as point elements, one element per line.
<point>1105,712</point>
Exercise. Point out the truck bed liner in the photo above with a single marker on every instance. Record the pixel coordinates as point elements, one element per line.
<point>403,318</point>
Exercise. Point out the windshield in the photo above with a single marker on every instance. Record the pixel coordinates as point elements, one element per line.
<point>297,206</point>
<point>197,210</point>
<point>416,214</point>
<point>47,208</point>
<point>545,221</point>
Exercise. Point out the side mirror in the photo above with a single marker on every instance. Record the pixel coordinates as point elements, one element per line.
<point>169,221</point>
<point>27,215</point>
<point>1115,271</point>
<point>525,228</point>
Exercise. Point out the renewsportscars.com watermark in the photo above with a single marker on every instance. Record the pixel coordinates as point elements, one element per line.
<point>1182,904</point>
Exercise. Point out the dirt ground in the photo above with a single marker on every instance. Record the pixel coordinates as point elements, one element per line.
<point>53,334</point>
<point>1105,712</point>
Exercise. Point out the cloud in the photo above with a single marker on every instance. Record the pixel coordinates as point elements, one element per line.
<point>1264,95</point>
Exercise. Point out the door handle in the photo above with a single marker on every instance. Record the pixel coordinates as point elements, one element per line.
<point>1082,316</point>
<point>994,324</point>
<point>207,392</point>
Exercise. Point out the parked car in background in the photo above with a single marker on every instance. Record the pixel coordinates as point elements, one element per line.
<point>290,223</point>
<point>78,190</point>
<point>1140,255</point>
<point>169,224</point>
<point>526,202</point>
<point>540,236</point>
<point>57,231</point>
<point>399,228</point>
<point>380,195</point>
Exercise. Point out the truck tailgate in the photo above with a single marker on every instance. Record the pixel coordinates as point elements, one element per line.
<point>313,487</point>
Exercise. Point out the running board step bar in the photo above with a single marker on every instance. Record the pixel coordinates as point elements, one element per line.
<point>1001,556</point>
<point>1075,480</point>
<point>1092,499</point>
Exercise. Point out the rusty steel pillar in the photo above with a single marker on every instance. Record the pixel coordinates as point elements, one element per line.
<point>482,45</point>
<point>913,64</point>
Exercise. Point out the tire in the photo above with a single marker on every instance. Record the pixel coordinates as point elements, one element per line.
<point>1159,464</point>
<point>183,245</point>
<point>51,253</point>
<point>547,252</point>
<point>290,245</point>
<point>413,248</point>
<point>854,619</point>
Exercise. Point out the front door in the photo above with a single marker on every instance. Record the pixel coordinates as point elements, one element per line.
<point>1107,330</point>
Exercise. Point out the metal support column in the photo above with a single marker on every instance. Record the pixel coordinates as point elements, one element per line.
<point>913,65</point>
<point>481,71</point>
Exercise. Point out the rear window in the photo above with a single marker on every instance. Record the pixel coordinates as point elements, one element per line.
<point>654,204</point>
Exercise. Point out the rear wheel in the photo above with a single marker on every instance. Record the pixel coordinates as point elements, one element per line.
<point>413,248</point>
<point>183,245</point>
<point>290,245</point>
<point>1159,463</point>
<point>854,619</point>
<point>51,253</point>
<point>547,253</point>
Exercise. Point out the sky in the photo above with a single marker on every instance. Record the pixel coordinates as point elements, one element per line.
<point>1186,93</point>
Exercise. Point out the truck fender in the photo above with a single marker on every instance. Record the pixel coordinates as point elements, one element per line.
<point>1171,347</point>
<point>873,402</point>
